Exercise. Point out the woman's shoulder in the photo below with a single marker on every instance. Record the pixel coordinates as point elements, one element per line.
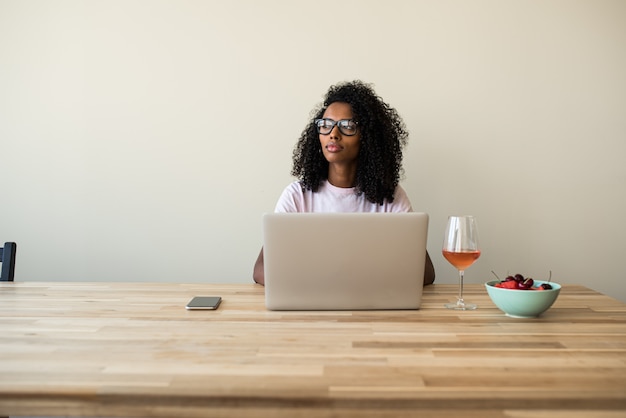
<point>400,192</point>
<point>401,201</point>
<point>291,199</point>
<point>294,188</point>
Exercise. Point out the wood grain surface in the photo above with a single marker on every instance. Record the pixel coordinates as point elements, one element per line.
<point>132,349</point>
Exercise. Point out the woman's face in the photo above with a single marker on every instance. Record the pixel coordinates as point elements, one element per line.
<point>337,147</point>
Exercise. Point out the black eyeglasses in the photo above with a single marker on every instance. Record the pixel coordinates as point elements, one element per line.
<point>326,125</point>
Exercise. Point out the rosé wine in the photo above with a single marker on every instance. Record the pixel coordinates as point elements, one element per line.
<point>461,260</point>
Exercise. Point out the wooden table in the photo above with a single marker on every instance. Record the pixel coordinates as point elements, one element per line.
<point>131,349</point>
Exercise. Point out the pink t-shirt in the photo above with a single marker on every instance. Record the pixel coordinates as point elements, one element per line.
<point>329,198</point>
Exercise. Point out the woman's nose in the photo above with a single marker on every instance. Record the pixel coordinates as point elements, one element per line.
<point>335,133</point>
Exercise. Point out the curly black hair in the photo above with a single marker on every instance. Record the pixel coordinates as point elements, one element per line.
<point>383,136</point>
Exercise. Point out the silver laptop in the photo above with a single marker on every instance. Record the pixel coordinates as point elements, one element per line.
<point>339,261</point>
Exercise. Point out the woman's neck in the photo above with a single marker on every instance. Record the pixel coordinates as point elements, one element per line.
<point>342,176</point>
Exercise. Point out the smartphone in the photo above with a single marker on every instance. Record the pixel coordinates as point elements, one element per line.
<point>204,302</point>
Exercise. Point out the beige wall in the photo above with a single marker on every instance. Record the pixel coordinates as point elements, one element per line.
<point>143,140</point>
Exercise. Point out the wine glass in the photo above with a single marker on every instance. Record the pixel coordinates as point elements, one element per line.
<point>460,248</point>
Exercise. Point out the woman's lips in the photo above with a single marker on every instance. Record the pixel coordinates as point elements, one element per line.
<point>332,147</point>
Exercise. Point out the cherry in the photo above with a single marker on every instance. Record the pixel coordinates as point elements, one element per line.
<point>519,282</point>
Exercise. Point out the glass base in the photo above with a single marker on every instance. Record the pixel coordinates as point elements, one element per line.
<point>461,306</point>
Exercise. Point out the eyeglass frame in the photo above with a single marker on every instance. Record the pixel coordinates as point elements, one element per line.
<point>336,123</point>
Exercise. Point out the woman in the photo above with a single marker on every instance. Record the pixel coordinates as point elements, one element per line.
<point>348,159</point>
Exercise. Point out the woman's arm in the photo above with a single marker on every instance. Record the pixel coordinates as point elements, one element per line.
<point>258,274</point>
<point>429,271</point>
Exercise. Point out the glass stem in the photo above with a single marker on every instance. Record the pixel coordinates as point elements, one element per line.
<point>461,272</point>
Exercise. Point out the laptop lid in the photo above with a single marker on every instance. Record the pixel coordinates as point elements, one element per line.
<point>344,261</point>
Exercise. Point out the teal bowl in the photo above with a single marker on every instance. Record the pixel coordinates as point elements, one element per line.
<point>523,303</point>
